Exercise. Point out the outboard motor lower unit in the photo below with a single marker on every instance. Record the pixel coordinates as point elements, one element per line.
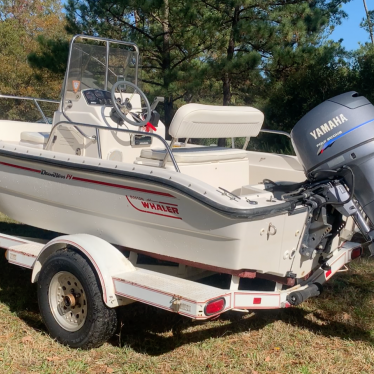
<point>336,136</point>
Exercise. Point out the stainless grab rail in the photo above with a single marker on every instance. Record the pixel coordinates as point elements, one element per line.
<point>98,127</point>
<point>29,98</point>
<point>35,100</point>
<point>269,132</point>
<point>277,132</point>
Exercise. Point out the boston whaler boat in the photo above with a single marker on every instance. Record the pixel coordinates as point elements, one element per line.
<point>104,174</point>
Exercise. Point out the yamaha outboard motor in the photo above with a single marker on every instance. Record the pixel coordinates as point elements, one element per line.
<point>336,140</point>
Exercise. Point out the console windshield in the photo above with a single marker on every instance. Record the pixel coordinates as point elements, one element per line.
<point>98,64</point>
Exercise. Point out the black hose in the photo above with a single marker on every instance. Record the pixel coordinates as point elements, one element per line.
<point>289,197</point>
<point>352,190</point>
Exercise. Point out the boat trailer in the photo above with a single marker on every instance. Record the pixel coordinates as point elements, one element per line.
<point>121,283</point>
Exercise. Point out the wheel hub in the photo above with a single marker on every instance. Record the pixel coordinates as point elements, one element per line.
<point>67,300</point>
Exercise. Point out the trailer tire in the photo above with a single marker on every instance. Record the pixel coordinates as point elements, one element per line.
<point>77,317</point>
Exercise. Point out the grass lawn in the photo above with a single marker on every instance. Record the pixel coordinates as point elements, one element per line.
<point>330,334</point>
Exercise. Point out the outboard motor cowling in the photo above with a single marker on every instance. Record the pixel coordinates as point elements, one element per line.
<point>340,132</point>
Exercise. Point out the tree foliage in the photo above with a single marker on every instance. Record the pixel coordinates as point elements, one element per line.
<point>363,71</point>
<point>368,22</point>
<point>21,23</point>
<point>187,43</point>
<point>272,54</point>
<point>325,72</point>
<point>263,35</point>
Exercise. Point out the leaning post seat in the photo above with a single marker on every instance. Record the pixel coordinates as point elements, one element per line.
<point>211,121</point>
<point>208,121</point>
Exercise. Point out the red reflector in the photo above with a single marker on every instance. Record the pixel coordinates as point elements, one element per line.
<point>257,300</point>
<point>328,273</point>
<point>357,252</point>
<point>215,306</point>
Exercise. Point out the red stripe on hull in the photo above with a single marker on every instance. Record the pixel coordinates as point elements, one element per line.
<point>123,187</point>
<point>20,167</point>
<point>97,182</point>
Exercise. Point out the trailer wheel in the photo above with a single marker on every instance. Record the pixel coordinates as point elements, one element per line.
<point>71,303</point>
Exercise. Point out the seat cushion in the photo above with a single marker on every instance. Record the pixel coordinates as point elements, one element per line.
<point>214,121</point>
<point>35,137</point>
<point>198,154</point>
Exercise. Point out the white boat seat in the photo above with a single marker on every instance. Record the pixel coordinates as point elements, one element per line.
<point>196,154</point>
<point>34,139</point>
<point>213,121</point>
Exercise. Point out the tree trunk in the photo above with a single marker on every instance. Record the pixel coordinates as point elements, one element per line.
<point>369,22</point>
<point>226,89</point>
<point>136,18</point>
<point>226,78</point>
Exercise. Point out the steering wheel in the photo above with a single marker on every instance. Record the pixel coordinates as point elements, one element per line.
<point>124,107</point>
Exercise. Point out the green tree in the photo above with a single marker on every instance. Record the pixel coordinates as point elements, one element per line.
<point>315,75</point>
<point>255,36</point>
<point>21,22</point>
<point>363,71</point>
<point>367,23</point>
<point>312,80</point>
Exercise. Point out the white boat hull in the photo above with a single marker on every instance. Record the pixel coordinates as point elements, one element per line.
<point>144,216</point>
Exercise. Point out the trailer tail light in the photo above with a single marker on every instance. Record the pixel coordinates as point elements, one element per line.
<point>356,252</point>
<point>215,306</point>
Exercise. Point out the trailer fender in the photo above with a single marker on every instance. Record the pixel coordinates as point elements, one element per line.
<point>104,258</point>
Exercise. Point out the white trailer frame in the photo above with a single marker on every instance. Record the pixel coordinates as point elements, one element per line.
<point>123,283</point>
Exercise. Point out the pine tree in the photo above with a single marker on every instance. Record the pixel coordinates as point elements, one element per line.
<point>253,35</point>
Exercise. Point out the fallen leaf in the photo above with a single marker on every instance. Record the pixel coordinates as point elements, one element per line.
<point>27,339</point>
<point>267,359</point>
<point>109,370</point>
<point>254,372</point>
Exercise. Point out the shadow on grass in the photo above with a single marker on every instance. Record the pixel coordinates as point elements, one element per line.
<point>16,289</point>
<point>143,325</point>
<point>19,229</point>
<point>19,294</point>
